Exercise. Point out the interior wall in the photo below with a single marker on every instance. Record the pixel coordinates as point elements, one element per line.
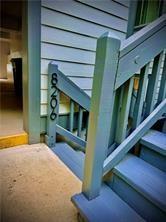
<point>4,51</point>
<point>10,33</point>
<point>16,45</point>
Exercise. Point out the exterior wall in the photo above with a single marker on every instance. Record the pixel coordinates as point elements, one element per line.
<point>69,32</point>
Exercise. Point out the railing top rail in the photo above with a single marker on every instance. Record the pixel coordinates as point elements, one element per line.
<point>117,155</point>
<point>140,36</point>
<point>141,48</point>
<point>68,87</point>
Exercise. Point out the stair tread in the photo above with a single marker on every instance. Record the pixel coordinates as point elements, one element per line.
<point>75,161</point>
<point>72,158</point>
<point>146,179</point>
<point>106,206</point>
<point>155,140</point>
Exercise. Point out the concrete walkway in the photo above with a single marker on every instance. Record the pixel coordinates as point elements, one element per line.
<point>11,114</point>
<point>35,186</point>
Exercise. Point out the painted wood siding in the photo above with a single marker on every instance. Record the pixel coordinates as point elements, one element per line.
<point>69,32</point>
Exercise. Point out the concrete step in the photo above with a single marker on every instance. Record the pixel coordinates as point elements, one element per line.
<point>142,186</point>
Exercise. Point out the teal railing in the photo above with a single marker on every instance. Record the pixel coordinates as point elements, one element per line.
<point>59,83</point>
<point>109,120</point>
<point>111,131</point>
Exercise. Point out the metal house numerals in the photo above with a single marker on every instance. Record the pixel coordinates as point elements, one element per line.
<point>54,100</point>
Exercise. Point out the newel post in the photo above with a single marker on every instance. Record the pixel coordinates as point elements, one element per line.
<point>52,104</point>
<point>101,112</point>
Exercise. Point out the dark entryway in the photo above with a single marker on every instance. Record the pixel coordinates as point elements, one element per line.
<point>11,111</point>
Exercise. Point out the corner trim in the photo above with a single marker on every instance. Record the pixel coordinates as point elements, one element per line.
<point>31,69</point>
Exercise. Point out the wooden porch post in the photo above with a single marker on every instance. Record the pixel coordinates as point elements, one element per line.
<point>53,105</point>
<point>31,26</point>
<point>101,111</point>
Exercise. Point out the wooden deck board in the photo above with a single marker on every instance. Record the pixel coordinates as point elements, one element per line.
<point>155,140</point>
<point>106,207</point>
<point>73,159</point>
<point>146,179</point>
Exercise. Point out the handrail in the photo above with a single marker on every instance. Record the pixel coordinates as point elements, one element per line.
<point>71,136</point>
<point>111,99</point>
<point>58,82</point>
<point>137,50</point>
<point>136,39</point>
<point>109,110</point>
<point>118,154</point>
<point>68,87</point>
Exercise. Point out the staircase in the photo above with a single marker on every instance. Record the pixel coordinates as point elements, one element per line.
<point>153,149</point>
<point>136,189</point>
<point>122,160</point>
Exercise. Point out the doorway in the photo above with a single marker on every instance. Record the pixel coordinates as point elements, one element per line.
<point>11,87</point>
<point>20,31</point>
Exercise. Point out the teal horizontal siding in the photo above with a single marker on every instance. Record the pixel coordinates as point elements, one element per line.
<point>69,32</point>
<point>114,8</point>
<point>70,39</point>
<point>52,51</point>
<point>89,14</point>
<point>77,25</point>
<point>125,3</point>
<point>82,82</point>
<point>89,92</point>
<point>69,68</point>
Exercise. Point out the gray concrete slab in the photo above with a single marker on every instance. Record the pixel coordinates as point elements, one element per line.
<point>35,186</point>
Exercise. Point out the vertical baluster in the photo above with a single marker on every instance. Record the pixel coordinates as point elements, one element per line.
<point>153,84</point>
<point>80,116</point>
<point>162,90</point>
<point>140,96</point>
<point>164,127</point>
<point>101,112</point>
<point>53,105</point>
<point>87,123</point>
<point>134,96</point>
<point>123,111</point>
<point>114,118</point>
<point>71,116</point>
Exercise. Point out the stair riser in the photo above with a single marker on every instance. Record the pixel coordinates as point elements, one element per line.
<point>138,202</point>
<point>154,158</point>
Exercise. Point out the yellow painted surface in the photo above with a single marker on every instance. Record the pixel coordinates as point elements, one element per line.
<point>136,83</point>
<point>13,140</point>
